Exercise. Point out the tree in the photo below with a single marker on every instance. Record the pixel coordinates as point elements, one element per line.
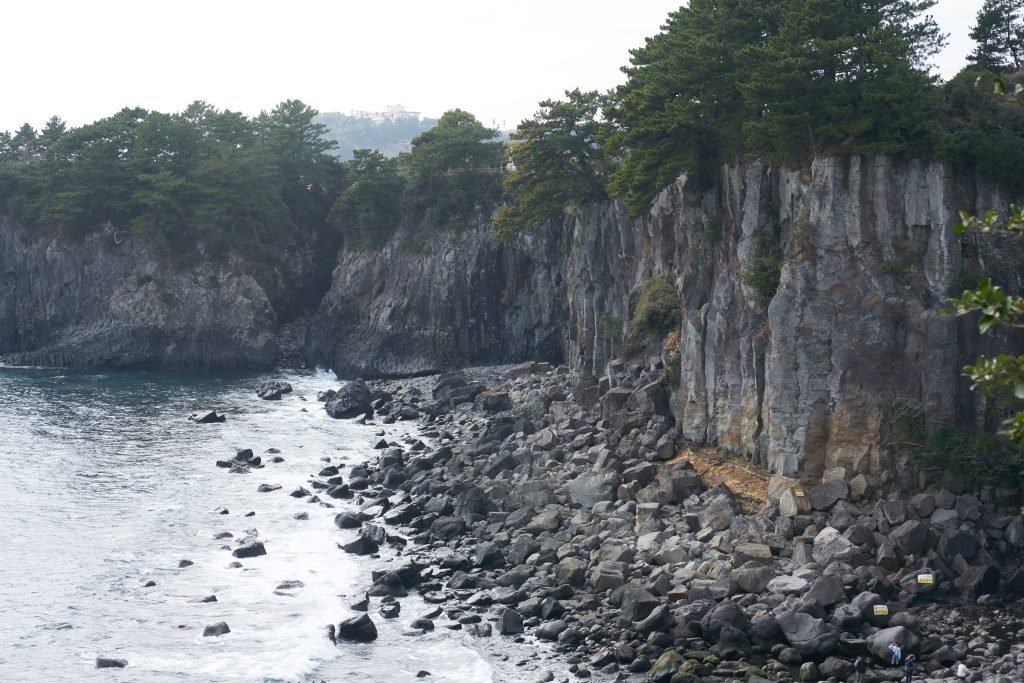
<point>680,109</point>
<point>454,171</point>
<point>368,211</point>
<point>557,162</point>
<point>999,34</point>
<point>842,76</point>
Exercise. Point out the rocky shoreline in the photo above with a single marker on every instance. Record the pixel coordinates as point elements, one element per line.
<point>541,507</point>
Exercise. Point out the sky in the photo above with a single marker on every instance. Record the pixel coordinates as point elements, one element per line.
<point>83,60</point>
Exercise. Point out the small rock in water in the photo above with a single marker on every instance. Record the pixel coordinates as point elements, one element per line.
<point>210,417</point>
<point>218,629</point>
<point>250,549</point>
<point>301,515</point>
<point>204,599</point>
<point>267,488</point>
<point>235,565</point>
<point>290,584</point>
<point>251,513</point>
<point>185,563</point>
<point>422,674</point>
<point>149,584</point>
<point>110,663</point>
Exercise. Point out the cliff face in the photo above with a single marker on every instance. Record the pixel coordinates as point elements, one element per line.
<point>856,328</point>
<point>101,304</point>
<point>468,300</point>
<point>798,378</point>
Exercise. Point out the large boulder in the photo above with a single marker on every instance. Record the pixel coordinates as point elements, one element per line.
<point>591,488</point>
<point>727,613</point>
<point>812,637</point>
<point>878,642</point>
<point>910,538</point>
<point>831,546</point>
<point>360,629</point>
<point>824,496</point>
<point>351,400</point>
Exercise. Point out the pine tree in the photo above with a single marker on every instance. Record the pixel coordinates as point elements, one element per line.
<point>680,109</point>
<point>557,162</point>
<point>841,76</point>
<point>999,34</point>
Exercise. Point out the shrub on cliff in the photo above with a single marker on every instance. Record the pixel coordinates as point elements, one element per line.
<point>658,309</point>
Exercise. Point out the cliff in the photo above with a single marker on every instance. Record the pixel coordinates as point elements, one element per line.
<point>101,303</point>
<point>466,300</point>
<point>800,378</point>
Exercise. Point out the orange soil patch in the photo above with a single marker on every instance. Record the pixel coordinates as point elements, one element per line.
<point>748,481</point>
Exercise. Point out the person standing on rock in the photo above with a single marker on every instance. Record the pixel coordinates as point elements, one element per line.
<point>861,667</point>
<point>897,653</point>
<point>909,667</point>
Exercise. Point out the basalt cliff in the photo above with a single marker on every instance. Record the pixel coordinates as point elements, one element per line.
<point>798,378</point>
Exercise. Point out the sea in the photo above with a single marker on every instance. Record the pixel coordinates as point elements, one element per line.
<point>105,486</point>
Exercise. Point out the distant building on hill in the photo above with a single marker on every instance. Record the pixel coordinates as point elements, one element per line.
<point>393,112</point>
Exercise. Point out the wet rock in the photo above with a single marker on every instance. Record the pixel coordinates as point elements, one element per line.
<point>249,549</point>
<point>359,628</point>
<point>510,622</point>
<point>352,400</point>
<point>110,663</point>
<point>273,390</point>
<point>362,545</point>
<point>218,629</point>
<point>210,417</point>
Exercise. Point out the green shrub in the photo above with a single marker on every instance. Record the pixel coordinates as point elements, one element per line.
<point>658,310</point>
<point>764,270</point>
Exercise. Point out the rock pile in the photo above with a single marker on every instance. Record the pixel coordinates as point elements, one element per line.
<point>555,508</point>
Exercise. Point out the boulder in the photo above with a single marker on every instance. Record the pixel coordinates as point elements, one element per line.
<point>824,496</point>
<point>351,400</point>
<point>878,642</point>
<point>272,390</point>
<point>788,585</point>
<point>218,629</point>
<point>732,644</point>
<point>510,622</point>
<point>724,614</point>
<point>210,417</point>
<point>608,575</point>
<point>249,549</point>
<point>591,488</point>
<point>359,628</point>
<point>827,591</point>
<point>811,636</point>
<point>910,538</point>
<point>110,663</point>
<point>635,602</point>
<point>831,546</point>
<point>978,581</point>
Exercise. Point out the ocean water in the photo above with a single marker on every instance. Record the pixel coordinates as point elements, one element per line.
<point>105,485</point>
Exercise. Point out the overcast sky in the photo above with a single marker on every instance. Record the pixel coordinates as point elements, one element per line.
<point>85,59</point>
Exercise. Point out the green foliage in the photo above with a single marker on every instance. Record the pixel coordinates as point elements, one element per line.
<point>369,210</point>
<point>454,171</point>
<point>658,309</point>
<point>763,271</point>
<point>999,35</point>
<point>610,327</point>
<point>203,182</point>
<point>557,163</point>
<point>902,424</point>
<point>680,109</point>
<point>783,79</point>
<point>983,127</point>
<point>984,458</point>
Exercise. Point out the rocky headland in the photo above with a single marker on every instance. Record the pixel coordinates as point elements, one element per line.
<point>541,507</point>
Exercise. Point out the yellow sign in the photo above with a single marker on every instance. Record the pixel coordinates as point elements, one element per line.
<point>925,578</point>
<point>798,492</point>
<point>881,610</point>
